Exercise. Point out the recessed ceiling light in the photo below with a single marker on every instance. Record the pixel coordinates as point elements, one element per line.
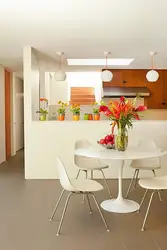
<point>100,62</point>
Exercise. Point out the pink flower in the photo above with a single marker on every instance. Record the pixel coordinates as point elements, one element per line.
<point>122,99</point>
<point>136,117</point>
<point>108,113</point>
<point>141,108</point>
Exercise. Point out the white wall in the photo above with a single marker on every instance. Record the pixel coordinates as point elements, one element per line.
<point>31,95</point>
<point>58,91</point>
<point>85,79</point>
<point>2,115</point>
<point>61,90</point>
<point>16,92</point>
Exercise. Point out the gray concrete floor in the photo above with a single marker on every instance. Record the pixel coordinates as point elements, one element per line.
<point>25,207</point>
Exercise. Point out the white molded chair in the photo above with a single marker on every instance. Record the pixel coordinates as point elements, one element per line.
<point>155,184</point>
<point>76,186</point>
<point>146,164</point>
<point>89,164</point>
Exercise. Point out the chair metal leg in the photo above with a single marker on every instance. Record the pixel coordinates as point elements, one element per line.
<point>145,218</point>
<point>78,173</point>
<point>141,203</point>
<point>159,193</point>
<point>57,204</point>
<point>83,197</point>
<point>63,214</point>
<point>90,209</point>
<point>105,223</point>
<point>131,182</point>
<point>136,179</point>
<point>105,182</point>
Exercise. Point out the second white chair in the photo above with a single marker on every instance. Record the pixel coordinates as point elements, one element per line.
<point>89,164</point>
<point>76,186</point>
<point>141,165</point>
<point>155,184</point>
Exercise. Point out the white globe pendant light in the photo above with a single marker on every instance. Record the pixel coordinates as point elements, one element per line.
<point>152,75</point>
<point>60,75</point>
<point>106,74</point>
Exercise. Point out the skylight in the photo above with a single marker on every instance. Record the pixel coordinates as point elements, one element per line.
<point>100,62</point>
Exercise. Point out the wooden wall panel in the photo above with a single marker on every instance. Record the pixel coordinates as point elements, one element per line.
<point>82,95</point>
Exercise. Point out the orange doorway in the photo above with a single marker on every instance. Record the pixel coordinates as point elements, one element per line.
<point>7,114</point>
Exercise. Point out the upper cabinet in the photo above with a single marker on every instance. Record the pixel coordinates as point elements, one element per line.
<point>137,78</point>
<point>117,79</point>
<point>156,100</point>
<point>134,78</point>
<point>127,78</point>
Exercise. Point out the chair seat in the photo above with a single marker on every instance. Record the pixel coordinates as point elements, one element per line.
<point>98,167</point>
<point>154,167</point>
<point>156,183</point>
<point>85,185</point>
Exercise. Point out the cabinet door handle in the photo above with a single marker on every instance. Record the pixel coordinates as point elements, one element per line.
<point>163,103</point>
<point>124,81</point>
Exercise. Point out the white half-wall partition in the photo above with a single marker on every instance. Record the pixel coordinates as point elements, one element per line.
<point>51,139</point>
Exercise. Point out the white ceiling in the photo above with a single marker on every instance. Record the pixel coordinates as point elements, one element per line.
<point>84,29</point>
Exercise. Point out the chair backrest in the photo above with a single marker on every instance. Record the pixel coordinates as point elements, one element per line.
<point>63,176</point>
<point>82,144</point>
<point>146,144</point>
<point>84,162</point>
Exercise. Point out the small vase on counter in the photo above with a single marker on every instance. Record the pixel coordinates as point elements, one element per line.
<point>76,117</point>
<point>42,117</point>
<point>75,109</point>
<point>96,116</point>
<point>90,117</point>
<point>62,110</point>
<point>96,113</point>
<point>85,116</point>
<point>61,116</point>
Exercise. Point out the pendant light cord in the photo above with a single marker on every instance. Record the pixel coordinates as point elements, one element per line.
<point>106,62</point>
<point>152,62</point>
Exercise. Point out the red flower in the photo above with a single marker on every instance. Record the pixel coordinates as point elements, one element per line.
<point>103,109</point>
<point>122,99</point>
<point>108,113</point>
<point>141,108</point>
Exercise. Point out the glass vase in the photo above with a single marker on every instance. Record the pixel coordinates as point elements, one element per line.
<point>121,139</point>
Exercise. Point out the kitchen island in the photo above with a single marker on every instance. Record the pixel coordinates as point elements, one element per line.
<point>50,139</point>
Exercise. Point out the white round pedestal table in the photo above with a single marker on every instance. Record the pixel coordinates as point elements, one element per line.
<point>120,205</point>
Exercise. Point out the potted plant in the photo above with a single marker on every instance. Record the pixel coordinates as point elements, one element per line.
<point>43,111</point>
<point>122,113</point>
<point>75,109</point>
<point>62,110</point>
<point>96,113</point>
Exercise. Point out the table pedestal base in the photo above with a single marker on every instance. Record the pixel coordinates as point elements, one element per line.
<point>120,205</point>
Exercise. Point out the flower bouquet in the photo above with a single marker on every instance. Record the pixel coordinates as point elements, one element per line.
<point>96,113</point>
<point>75,109</point>
<point>122,113</point>
<point>62,110</point>
<point>43,111</point>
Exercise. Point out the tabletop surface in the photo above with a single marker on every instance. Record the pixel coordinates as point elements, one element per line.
<point>131,153</point>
